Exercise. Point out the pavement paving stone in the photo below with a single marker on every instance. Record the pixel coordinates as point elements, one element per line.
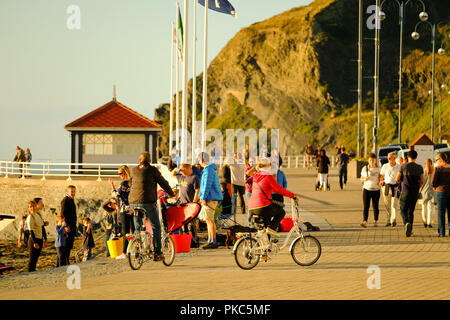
<point>409,268</point>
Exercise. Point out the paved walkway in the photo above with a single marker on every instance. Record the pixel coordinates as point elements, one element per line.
<point>356,263</point>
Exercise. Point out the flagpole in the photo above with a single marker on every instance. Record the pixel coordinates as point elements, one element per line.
<point>194,86</point>
<point>205,78</point>
<point>171,93</point>
<point>185,83</point>
<point>177,115</point>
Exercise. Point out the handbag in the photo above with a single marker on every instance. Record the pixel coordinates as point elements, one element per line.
<point>275,202</point>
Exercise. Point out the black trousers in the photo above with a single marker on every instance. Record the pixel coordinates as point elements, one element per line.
<point>240,190</point>
<point>126,226</point>
<point>373,196</point>
<point>272,215</point>
<point>408,205</point>
<point>69,245</point>
<point>342,176</point>
<point>34,253</point>
<point>60,259</point>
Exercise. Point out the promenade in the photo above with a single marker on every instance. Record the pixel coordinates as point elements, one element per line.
<point>405,268</point>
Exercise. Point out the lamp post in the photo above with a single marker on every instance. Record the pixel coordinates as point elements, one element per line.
<point>415,35</point>
<point>423,16</point>
<point>360,70</point>
<point>376,83</point>
<point>441,87</point>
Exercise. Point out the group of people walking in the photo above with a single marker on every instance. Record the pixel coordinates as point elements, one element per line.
<point>402,185</point>
<point>322,162</point>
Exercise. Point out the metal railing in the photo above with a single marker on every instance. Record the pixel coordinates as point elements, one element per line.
<point>68,170</point>
<point>62,169</point>
<point>300,161</point>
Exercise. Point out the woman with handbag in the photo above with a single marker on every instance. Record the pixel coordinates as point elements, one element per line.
<point>264,184</point>
<point>370,176</point>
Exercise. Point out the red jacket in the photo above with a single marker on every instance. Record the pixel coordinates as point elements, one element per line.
<point>269,185</point>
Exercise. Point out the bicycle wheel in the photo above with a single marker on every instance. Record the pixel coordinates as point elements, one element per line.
<point>135,257</point>
<point>245,254</point>
<point>168,250</point>
<point>306,250</point>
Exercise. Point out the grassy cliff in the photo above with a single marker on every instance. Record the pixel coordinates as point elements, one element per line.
<point>297,72</point>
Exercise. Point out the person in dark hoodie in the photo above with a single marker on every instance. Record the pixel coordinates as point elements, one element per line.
<point>69,212</point>
<point>143,193</point>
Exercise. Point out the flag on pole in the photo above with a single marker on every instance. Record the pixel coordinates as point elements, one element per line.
<point>180,24</point>
<point>223,6</point>
<point>180,42</point>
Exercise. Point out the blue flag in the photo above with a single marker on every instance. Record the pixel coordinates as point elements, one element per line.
<point>223,6</point>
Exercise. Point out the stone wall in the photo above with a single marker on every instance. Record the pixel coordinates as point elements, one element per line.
<point>15,194</point>
<point>91,194</point>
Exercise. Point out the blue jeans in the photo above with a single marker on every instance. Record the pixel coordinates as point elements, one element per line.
<point>153,216</point>
<point>107,236</point>
<point>443,204</point>
<point>247,196</point>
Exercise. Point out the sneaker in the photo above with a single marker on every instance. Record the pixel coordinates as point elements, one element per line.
<point>210,246</point>
<point>122,256</point>
<point>388,224</point>
<point>363,224</point>
<point>375,224</point>
<point>394,224</point>
<point>158,257</point>
<point>430,226</point>
<point>425,225</point>
<point>408,228</point>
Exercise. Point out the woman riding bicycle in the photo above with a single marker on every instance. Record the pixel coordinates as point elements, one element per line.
<point>264,184</point>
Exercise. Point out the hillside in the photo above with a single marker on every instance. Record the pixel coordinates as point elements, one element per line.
<point>297,72</point>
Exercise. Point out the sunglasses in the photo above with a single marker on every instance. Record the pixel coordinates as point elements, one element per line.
<point>437,159</point>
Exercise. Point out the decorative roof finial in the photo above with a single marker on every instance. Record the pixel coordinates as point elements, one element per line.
<point>114,93</point>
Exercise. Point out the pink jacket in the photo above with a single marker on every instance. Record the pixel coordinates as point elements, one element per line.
<point>269,185</point>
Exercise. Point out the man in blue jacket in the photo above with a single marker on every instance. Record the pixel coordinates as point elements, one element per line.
<point>210,194</point>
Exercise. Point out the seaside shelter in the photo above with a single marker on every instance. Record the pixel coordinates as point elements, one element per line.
<point>112,133</point>
<point>424,148</point>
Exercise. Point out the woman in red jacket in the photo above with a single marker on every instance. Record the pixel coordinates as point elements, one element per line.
<point>264,184</point>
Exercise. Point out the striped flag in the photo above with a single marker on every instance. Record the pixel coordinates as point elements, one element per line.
<point>223,6</point>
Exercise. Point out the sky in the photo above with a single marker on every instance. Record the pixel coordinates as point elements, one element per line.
<point>51,75</point>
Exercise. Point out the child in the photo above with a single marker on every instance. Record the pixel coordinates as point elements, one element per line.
<point>110,217</point>
<point>60,240</point>
<point>88,239</point>
<point>24,233</point>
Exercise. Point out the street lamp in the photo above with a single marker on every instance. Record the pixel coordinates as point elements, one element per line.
<point>423,16</point>
<point>415,35</point>
<point>441,87</point>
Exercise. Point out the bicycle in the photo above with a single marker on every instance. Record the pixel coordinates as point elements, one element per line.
<point>305,249</point>
<point>140,246</point>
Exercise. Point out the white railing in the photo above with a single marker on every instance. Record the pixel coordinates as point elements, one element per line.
<point>292,162</point>
<point>66,169</point>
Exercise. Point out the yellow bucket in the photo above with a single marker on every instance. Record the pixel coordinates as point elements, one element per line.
<point>115,247</point>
